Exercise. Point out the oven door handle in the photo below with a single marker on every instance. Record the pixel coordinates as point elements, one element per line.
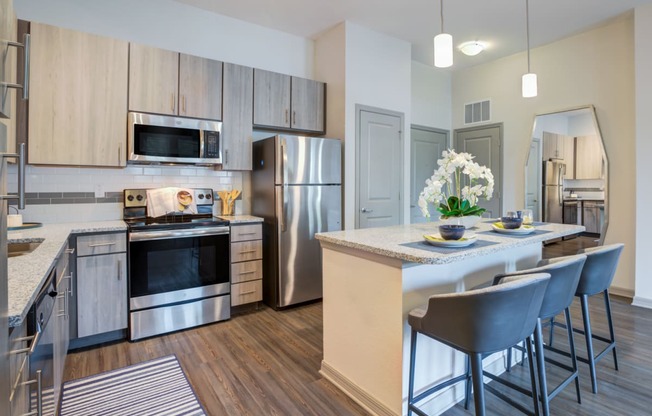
<point>169,234</point>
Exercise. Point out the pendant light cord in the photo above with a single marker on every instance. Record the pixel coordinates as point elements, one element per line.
<point>527,31</point>
<point>441,14</point>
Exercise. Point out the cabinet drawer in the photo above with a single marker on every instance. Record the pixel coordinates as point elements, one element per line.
<point>246,250</point>
<point>246,271</point>
<point>246,232</point>
<point>246,292</point>
<point>101,244</point>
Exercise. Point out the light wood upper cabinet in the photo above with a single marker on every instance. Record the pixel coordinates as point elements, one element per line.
<point>271,99</point>
<point>588,158</point>
<point>237,130</point>
<point>153,79</point>
<point>308,104</point>
<point>569,156</point>
<point>200,87</point>
<point>290,103</point>
<point>166,82</point>
<point>78,98</point>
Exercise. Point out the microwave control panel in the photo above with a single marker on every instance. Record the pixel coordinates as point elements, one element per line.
<point>211,144</point>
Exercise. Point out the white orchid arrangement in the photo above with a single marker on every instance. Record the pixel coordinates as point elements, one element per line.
<point>444,188</point>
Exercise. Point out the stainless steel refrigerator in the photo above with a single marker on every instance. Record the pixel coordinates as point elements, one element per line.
<point>553,188</point>
<point>297,189</point>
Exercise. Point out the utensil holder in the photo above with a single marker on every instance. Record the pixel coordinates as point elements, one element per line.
<point>227,207</point>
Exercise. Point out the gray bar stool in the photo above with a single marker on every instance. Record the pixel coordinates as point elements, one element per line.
<point>597,275</point>
<point>564,277</point>
<point>477,322</point>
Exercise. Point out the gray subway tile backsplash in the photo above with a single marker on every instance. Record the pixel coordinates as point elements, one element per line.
<point>47,198</point>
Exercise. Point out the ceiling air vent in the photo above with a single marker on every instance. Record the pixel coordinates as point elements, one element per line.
<point>477,112</point>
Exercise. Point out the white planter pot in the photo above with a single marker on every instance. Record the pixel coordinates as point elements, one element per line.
<point>468,222</point>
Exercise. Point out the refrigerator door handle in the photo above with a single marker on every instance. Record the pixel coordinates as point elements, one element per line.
<point>283,209</point>
<point>283,199</point>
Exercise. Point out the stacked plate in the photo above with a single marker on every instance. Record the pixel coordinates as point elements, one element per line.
<point>437,241</point>
<point>523,229</point>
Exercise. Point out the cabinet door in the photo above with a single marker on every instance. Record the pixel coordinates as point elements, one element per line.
<point>101,294</point>
<point>271,99</point>
<point>237,130</point>
<point>308,104</point>
<point>569,156</point>
<point>153,79</point>
<point>200,87</point>
<point>588,159</point>
<point>78,97</point>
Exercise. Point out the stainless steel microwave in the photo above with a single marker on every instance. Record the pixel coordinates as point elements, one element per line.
<point>167,139</point>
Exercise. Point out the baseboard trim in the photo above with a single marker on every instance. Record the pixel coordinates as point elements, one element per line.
<point>642,302</point>
<point>352,390</point>
<point>619,291</point>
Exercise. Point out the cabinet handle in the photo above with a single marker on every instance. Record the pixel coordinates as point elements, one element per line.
<point>172,102</point>
<point>247,292</point>
<point>183,101</point>
<point>70,251</point>
<point>286,116</point>
<point>248,251</point>
<point>21,176</point>
<point>119,269</point>
<point>294,118</point>
<point>119,155</point>
<point>252,233</point>
<point>70,290</point>
<point>226,157</point>
<point>251,272</point>
<point>101,244</point>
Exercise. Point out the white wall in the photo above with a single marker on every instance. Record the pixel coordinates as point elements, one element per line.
<point>377,75</point>
<point>431,96</point>
<point>643,64</point>
<point>595,67</point>
<point>175,26</point>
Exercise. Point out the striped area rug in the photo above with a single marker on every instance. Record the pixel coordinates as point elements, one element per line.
<point>158,387</point>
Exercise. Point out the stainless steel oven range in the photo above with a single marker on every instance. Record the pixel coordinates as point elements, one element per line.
<point>179,268</point>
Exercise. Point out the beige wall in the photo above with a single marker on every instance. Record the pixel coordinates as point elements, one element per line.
<point>595,67</point>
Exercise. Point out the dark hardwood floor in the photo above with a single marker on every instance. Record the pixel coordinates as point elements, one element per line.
<point>568,247</point>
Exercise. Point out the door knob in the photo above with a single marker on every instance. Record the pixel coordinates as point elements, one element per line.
<point>367,210</point>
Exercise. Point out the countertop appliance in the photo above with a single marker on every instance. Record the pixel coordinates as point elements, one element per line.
<point>179,266</point>
<point>552,193</point>
<point>167,139</point>
<point>296,184</point>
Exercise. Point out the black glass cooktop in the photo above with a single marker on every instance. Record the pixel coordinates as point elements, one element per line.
<point>174,222</point>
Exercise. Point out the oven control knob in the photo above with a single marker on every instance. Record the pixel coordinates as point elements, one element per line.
<point>200,196</point>
<point>130,198</point>
<point>139,197</point>
<point>208,196</point>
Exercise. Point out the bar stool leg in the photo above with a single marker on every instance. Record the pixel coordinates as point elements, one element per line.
<point>509,360</point>
<point>533,378</point>
<point>478,383</point>
<point>413,351</point>
<point>467,384</point>
<point>571,344</point>
<point>584,301</point>
<point>552,330</point>
<point>541,369</point>
<point>612,336</point>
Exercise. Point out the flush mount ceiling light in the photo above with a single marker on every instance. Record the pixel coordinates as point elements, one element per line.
<point>443,43</point>
<point>529,80</point>
<point>472,48</point>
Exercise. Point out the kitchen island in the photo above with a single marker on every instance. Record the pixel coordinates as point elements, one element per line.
<point>372,279</point>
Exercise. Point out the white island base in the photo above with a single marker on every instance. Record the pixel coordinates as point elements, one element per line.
<point>368,293</point>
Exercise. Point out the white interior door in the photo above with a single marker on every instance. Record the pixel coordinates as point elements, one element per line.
<point>426,146</point>
<point>484,144</point>
<point>379,164</point>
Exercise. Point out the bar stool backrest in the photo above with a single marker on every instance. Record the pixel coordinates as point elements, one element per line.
<point>600,268</point>
<point>564,277</point>
<point>486,320</point>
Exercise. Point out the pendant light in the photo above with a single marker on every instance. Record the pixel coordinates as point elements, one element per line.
<point>443,44</point>
<point>529,80</point>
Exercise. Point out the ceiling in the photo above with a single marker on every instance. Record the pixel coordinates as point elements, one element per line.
<point>500,23</point>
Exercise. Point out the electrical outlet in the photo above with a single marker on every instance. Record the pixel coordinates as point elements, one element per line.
<point>99,191</point>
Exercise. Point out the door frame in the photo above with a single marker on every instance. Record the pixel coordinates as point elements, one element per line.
<point>359,108</point>
<point>449,142</point>
<point>498,186</point>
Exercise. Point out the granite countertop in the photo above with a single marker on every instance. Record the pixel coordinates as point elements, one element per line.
<point>400,241</point>
<point>28,272</point>
<point>240,219</point>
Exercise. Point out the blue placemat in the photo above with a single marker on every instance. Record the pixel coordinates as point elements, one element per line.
<point>532,234</point>
<point>422,245</point>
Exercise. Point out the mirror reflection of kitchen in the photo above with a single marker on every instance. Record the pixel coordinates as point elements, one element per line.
<point>566,172</point>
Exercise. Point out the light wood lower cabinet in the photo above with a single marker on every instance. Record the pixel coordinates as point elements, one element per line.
<point>78,98</point>
<point>246,264</point>
<point>102,286</point>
